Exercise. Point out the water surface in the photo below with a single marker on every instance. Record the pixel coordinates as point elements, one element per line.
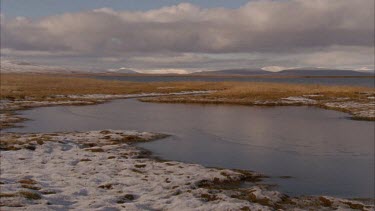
<point>324,151</point>
<point>366,82</point>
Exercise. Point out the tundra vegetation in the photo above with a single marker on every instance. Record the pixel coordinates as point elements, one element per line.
<point>68,89</point>
<point>103,169</point>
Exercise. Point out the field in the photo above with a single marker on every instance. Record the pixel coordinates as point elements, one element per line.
<point>19,86</point>
<point>358,101</point>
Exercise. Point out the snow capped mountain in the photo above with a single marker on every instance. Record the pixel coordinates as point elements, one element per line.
<point>122,70</point>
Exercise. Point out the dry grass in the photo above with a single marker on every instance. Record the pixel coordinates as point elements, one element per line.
<point>272,94</point>
<point>30,195</point>
<point>47,86</point>
<point>250,92</point>
<point>271,91</point>
<point>19,86</point>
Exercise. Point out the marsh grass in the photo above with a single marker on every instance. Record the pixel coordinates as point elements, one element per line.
<point>30,195</point>
<point>325,202</point>
<point>8,195</point>
<point>271,91</point>
<point>248,92</point>
<point>355,206</point>
<point>20,86</point>
<point>50,87</point>
<point>27,181</point>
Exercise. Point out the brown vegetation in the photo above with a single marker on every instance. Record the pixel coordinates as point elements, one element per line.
<point>55,87</point>
<point>19,86</point>
<point>259,91</point>
<point>30,195</point>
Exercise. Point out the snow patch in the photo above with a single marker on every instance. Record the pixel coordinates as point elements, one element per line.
<point>80,176</point>
<point>299,100</point>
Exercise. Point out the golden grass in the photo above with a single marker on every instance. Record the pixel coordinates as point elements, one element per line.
<point>19,86</point>
<point>43,86</point>
<point>272,91</point>
<point>272,94</point>
<point>250,92</point>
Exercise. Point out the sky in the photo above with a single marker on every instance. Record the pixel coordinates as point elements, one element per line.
<point>187,36</point>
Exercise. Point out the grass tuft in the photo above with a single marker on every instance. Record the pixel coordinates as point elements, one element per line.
<point>30,195</point>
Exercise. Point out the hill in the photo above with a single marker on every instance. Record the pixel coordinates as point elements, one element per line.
<point>322,72</point>
<point>244,71</point>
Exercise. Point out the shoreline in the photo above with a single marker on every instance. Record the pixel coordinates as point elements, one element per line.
<point>264,197</point>
<point>45,89</point>
<point>358,111</point>
<point>128,177</point>
<point>9,116</point>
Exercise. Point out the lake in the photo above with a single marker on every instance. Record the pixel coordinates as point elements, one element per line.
<point>366,82</point>
<point>323,151</point>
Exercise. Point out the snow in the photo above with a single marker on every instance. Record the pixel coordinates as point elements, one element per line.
<point>103,170</point>
<point>26,104</point>
<point>104,96</point>
<point>303,100</point>
<point>313,95</point>
<point>81,179</point>
<point>366,110</point>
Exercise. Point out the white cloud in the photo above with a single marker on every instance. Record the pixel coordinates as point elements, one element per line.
<point>340,56</point>
<point>260,33</point>
<point>261,25</point>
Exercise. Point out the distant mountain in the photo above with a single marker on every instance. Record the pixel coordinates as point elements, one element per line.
<point>8,66</point>
<point>244,71</point>
<point>122,70</point>
<point>305,71</point>
<point>312,71</point>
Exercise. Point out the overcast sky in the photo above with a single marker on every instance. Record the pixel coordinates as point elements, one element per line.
<point>185,36</point>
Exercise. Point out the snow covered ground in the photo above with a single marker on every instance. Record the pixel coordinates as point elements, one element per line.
<point>103,170</point>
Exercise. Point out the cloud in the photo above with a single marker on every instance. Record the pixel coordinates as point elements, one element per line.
<point>260,33</point>
<point>340,56</point>
<point>261,25</point>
